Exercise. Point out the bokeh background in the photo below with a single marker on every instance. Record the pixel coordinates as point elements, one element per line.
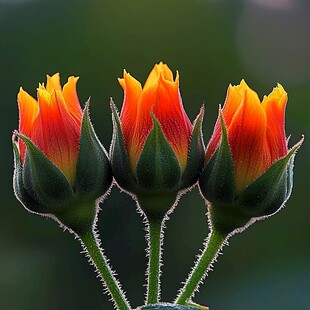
<point>212,44</point>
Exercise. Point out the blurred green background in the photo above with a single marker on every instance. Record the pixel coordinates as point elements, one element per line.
<point>212,44</point>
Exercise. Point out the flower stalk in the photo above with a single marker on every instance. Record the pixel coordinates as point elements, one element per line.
<point>155,209</point>
<point>155,253</point>
<point>91,245</point>
<point>214,244</point>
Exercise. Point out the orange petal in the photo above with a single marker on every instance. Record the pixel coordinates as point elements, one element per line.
<point>28,110</point>
<point>160,95</point>
<point>163,99</point>
<point>71,99</point>
<point>274,106</point>
<point>132,89</point>
<point>174,122</point>
<point>158,69</point>
<point>56,132</point>
<point>232,102</point>
<point>53,82</point>
<point>247,140</point>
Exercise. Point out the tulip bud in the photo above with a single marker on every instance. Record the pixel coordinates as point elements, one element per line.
<point>61,168</point>
<point>249,170</point>
<point>155,149</point>
<point>155,153</point>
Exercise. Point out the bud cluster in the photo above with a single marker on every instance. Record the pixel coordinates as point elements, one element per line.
<point>62,171</point>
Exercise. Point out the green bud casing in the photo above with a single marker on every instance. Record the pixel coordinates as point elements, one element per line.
<point>158,171</point>
<point>43,189</point>
<point>266,195</point>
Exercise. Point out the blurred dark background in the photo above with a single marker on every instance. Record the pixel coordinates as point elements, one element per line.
<point>212,43</point>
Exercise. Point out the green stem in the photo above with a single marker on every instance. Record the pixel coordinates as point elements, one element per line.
<point>154,248</point>
<point>155,206</point>
<point>213,246</point>
<point>91,244</point>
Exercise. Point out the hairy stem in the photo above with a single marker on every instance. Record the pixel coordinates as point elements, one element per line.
<point>154,248</point>
<point>214,244</point>
<point>91,246</point>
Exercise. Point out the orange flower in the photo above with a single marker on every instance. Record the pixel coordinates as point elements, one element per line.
<point>255,131</point>
<point>160,96</point>
<point>53,123</point>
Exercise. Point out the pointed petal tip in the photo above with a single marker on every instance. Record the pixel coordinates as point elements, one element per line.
<point>54,75</point>
<point>279,86</point>
<point>125,79</point>
<point>73,78</point>
<point>125,73</point>
<point>121,81</point>
<point>41,87</point>
<point>277,96</point>
<point>21,92</point>
<point>243,83</point>
<point>177,78</point>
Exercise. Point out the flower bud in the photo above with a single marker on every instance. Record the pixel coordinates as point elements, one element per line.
<point>155,149</point>
<point>61,168</point>
<point>249,169</point>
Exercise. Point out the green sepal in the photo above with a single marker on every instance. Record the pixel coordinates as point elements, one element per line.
<point>226,218</point>
<point>119,157</point>
<point>271,190</point>
<point>93,171</point>
<point>196,154</point>
<point>78,216</point>
<point>43,181</point>
<point>217,180</point>
<point>158,169</point>
<point>156,205</point>
<point>18,185</point>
